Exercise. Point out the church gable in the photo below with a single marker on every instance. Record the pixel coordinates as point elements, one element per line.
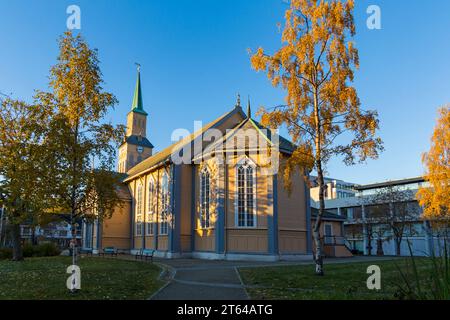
<point>247,138</point>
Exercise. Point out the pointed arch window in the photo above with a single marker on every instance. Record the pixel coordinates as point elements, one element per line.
<point>151,207</point>
<point>205,198</point>
<point>164,224</point>
<point>139,203</point>
<point>246,194</point>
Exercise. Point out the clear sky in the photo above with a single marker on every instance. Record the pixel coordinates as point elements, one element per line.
<point>194,60</point>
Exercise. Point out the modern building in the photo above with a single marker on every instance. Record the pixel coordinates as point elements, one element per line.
<point>332,234</point>
<point>377,212</point>
<point>57,231</point>
<point>335,189</point>
<point>215,194</point>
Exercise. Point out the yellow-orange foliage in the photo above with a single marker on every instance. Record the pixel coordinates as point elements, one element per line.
<point>315,65</point>
<point>435,198</point>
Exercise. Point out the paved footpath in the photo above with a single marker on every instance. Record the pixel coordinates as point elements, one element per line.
<point>193,279</point>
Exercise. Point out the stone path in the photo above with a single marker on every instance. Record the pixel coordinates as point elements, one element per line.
<point>192,279</point>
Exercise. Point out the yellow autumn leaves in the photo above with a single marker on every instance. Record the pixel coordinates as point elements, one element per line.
<point>435,197</point>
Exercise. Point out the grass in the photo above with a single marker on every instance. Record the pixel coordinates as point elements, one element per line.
<point>107,278</point>
<point>346,281</point>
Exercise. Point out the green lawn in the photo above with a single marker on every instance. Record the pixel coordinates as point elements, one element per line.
<point>107,278</point>
<point>341,281</point>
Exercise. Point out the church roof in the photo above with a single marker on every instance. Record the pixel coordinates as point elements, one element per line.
<point>327,215</point>
<point>138,141</point>
<point>283,144</point>
<point>137,104</point>
<point>164,155</point>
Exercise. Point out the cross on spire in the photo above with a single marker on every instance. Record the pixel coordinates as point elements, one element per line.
<point>238,100</point>
<point>137,104</point>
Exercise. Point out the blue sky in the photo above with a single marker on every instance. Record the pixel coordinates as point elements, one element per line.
<point>194,60</point>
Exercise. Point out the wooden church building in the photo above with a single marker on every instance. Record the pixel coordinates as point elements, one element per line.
<point>214,194</point>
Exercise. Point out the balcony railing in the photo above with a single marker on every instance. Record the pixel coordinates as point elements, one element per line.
<point>333,241</point>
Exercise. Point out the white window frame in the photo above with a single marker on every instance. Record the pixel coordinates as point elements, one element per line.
<point>205,201</point>
<point>139,202</point>
<point>151,206</point>
<point>245,162</point>
<point>165,205</point>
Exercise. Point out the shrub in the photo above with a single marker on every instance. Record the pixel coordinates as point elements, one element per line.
<point>437,284</point>
<point>28,250</point>
<point>47,250</point>
<point>42,250</point>
<point>5,253</point>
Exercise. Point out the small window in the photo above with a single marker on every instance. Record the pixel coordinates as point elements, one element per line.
<point>205,198</point>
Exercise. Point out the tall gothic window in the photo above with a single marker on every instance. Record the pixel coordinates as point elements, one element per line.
<point>164,224</point>
<point>151,206</point>
<point>139,203</point>
<point>205,198</point>
<point>246,194</point>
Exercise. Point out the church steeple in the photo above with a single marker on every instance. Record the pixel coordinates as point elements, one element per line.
<point>137,105</point>
<point>136,146</point>
<point>249,110</point>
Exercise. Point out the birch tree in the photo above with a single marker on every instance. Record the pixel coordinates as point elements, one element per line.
<point>315,66</point>
<point>78,134</point>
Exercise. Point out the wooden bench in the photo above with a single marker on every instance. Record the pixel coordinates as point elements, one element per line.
<point>145,254</point>
<point>87,252</point>
<point>109,251</point>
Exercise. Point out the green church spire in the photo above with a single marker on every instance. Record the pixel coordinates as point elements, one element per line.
<point>249,110</point>
<point>137,105</point>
